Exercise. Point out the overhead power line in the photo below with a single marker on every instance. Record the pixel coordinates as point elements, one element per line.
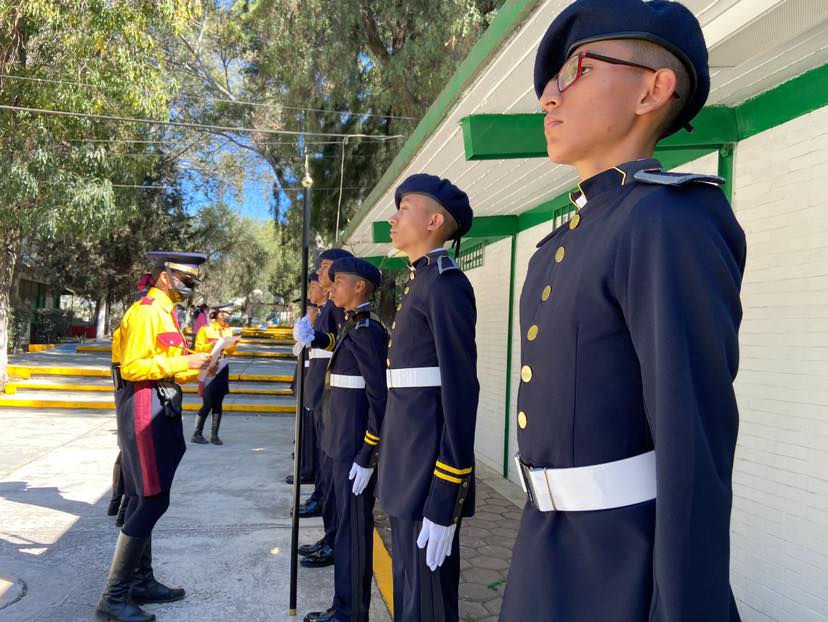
<point>196,126</point>
<point>237,102</point>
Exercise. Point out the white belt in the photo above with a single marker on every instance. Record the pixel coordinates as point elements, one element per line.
<point>413,377</point>
<point>318,353</point>
<point>596,487</point>
<point>347,382</point>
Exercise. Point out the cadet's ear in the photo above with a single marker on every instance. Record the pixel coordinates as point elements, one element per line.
<point>436,220</point>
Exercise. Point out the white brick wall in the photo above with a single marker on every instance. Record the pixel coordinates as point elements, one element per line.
<point>780,481</point>
<point>491,288</point>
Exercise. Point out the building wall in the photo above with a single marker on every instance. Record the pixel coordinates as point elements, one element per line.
<point>780,481</point>
<point>491,287</point>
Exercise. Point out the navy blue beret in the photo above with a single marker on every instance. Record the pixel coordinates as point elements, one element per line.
<point>449,196</point>
<point>358,267</point>
<point>668,24</point>
<point>333,254</point>
<point>312,277</point>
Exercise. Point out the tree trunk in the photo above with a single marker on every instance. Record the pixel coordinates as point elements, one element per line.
<point>9,250</point>
<point>100,318</point>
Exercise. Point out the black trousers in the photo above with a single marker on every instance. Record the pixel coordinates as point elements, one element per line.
<point>323,484</point>
<point>421,595</point>
<point>309,457</point>
<point>353,547</point>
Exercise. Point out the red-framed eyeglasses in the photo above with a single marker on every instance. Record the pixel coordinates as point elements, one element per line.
<point>573,69</point>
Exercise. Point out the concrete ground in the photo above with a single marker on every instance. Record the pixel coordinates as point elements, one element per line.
<point>225,538</point>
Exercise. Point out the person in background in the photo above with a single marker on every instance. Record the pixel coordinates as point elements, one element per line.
<point>214,392</point>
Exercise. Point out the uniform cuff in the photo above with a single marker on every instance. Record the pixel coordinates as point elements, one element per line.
<point>368,455</point>
<point>444,504</point>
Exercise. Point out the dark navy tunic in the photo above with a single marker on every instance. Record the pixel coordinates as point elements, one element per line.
<point>426,465</point>
<point>629,321</point>
<point>327,326</point>
<point>353,417</point>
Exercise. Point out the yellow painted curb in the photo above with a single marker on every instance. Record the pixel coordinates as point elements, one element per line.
<point>14,387</point>
<point>110,405</point>
<point>29,403</point>
<point>26,371</point>
<point>48,386</point>
<point>41,347</point>
<point>261,378</point>
<point>382,572</point>
<point>93,349</point>
<point>266,355</point>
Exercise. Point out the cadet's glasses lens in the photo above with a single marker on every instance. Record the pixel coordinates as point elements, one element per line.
<point>569,73</point>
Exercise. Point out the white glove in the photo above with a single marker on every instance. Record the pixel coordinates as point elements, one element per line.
<point>299,326</point>
<point>303,332</point>
<point>439,540</point>
<point>361,477</point>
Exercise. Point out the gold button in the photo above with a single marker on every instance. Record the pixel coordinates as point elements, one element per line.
<point>389,343</point>
<point>526,373</point>
<point>547,291</point>
<point>522,420</point>
<point>394,325</point>
<point>575,221</point>
<point>405,291</point>
<point>559,255</point>
<point>388,362</point>
<point>399,307</point>
<point>533,332</point>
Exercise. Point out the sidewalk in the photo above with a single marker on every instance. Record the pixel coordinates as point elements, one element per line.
<point>225,538</point>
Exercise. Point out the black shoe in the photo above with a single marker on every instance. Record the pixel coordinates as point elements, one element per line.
<point>198,437</point>
<point>321,616</point>
<point>115,603</point>
<point>145,588</point>
<point>323,557</point>
<point>310,549</point>
<point>304,480</point>
<point>214,437</point>
<point>310,509</point>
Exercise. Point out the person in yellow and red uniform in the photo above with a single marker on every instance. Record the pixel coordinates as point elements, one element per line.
<point>214,391</point>
<point>153,360</point>
<point>119,501</point>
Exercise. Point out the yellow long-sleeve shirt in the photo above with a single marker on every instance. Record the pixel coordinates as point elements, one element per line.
<point>209,334</point>
<point>150,342</point>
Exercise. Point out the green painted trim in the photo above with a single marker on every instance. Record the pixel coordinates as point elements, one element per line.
<point>501,136</point>
<point>511,136</point>
<point>387,263</point>
<point>725,169</point>
<point>482,227</point>
<point>380,232</point>
<point>509,18</point>
<point>508,407</point>
<point>794,98</point>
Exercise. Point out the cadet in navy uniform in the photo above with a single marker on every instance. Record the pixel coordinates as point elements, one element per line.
<point>355,395</point>
<point>321,339</point>
<point>629,322</point>
<point>426,468</point>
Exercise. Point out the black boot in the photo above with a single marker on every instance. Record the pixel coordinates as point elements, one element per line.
<point>115,604</point>
<point>119,520</point>
<point>146,589</point>
<point>199,427</point>
<point>117,489</point>
<point>214,437</point>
